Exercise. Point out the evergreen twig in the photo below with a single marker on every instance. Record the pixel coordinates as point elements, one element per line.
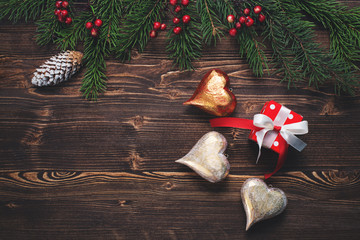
<point>94,81</point>
<point>186,46</point>
<point>136,26</point>
<point>96,50</point>
<point>211,26</point>
<point>22,9</point>
<point>342,22</point>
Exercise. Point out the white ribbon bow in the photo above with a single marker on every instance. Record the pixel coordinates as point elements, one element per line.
<point>287,131</point>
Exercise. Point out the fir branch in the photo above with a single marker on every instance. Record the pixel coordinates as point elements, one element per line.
<point>51,30</point>
<point>96,50</point>
<point>22,9</point>
<point>48,26</point>
<point>111,12</point>
<point>297,55</point>
<point>186,46</point>
<point>94,81</point>
<point>136,26</point>
<point>282,56</point>
<point>211,26</point>
<point>223,9</point>
<point>250,48</point>
<point>68,38</point>
<point>343,24</point>
<point>308,59</point>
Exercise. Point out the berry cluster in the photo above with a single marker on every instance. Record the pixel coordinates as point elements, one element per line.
<point>157,26</point>
<point>94,30</point>
<point>177,8</point>
<point>61,12</point>
<point>247,19</point>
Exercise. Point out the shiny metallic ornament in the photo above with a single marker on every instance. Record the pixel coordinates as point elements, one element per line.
<point>213,94</point>
<point>260,201</point>
<point>206,158</point>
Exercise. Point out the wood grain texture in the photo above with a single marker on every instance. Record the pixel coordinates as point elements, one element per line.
<point>163,205</point>
<point>73,169</point>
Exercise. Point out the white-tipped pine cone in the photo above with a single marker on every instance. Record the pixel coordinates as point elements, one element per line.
<point>58,69</point>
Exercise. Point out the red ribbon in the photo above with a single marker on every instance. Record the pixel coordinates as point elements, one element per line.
<point>248,124</point>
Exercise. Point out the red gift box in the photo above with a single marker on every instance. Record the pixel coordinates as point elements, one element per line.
<point>274,128</point>
<point>281,115</point>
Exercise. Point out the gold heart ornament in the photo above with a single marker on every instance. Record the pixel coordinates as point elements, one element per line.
<point>260,201</point>
<point>206,158</point>
<point>213,94</point>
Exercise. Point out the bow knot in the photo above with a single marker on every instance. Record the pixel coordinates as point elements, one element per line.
<point>287,131</point>
<point>277,128</point>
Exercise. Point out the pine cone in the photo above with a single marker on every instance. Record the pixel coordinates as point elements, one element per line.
<point>58,69</point>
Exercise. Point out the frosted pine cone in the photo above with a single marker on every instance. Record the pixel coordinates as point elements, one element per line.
<point>58,69</point>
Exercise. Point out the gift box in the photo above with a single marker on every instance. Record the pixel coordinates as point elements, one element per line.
<point>280,115</point>
<point>274,128</point>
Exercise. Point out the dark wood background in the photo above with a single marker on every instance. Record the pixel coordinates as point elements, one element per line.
<point>74,169</point>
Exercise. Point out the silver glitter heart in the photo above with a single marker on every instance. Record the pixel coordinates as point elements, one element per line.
<point>206,158</point>
<point>260,201</point>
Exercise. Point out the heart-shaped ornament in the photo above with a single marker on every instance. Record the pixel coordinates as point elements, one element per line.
<point>213,94</point>
<point>206,158</point>
<point>260,201</point>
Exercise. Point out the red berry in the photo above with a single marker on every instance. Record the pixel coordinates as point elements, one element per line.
<point>94,32</point>
<point>153,34</point>
<point>176,20</point>
<point>242,19</point>
<point>65,4</point>
<point>58,4</point>
<point>185,2</point>
<point>237,25</point>
<point>163,26</point>
<point>257,9</point>
<point>177,30</point>
<point>89,25</point>
<point>246,11</point>
<point>61,18</point>
<point>57,12</point>
<point>261,18</point>
<point>249,21</point>
<point>173,2</point>
<point>177,9</point>
<point>186,18</point>
<point>157,25</point>
<point>233,32</point>
<point>230,18</point>
<point>98,22</point>
<point>68,20</point>
<point>64,13</point>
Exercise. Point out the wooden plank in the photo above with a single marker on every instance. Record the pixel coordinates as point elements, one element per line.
<point>163,205</point>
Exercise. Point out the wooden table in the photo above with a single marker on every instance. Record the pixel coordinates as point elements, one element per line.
<point>74,169</point>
